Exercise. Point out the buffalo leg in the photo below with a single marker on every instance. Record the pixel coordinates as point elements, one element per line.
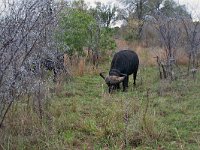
<point>125,83</point>
<point>109,90</point>
<point>134,77</point>
<point>118,86</point>
<point>54,75</point>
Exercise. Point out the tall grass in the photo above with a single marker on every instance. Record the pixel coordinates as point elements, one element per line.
<point>81,114</point>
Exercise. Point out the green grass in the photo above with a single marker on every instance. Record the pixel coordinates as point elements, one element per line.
<point>84,116</point>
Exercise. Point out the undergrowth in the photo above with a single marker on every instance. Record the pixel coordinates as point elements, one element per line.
<point>152,115</point>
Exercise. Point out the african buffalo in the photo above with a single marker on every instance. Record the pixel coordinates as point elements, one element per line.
<point>124,63</point>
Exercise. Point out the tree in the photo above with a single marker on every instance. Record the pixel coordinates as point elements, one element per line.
<point>80,27</point>
<point>137,11</point>
<point>26,30</point>
<point>171,9</point>
<point>74,26</point>
<point>169,33</point>
<point>101,35</point>
<point>192,42</point>
<point>104,14</point>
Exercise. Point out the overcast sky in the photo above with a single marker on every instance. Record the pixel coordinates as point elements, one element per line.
<point>193,6</point>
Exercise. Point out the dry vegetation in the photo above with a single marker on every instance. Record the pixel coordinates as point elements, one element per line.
<point>57,100</point>
<point>148,55</point>
<point>80,114</point>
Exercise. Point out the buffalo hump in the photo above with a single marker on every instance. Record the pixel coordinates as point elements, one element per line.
<point>125,62</point>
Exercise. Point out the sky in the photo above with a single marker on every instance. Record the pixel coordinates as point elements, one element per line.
<point>193,6</point>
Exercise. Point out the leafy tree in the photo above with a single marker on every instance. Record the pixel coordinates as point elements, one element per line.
<point>101,39</point>
<point>106,40</point>
<point>100,33</point>
<point>104,15</point>
<point>80,27</point>
<point>74,25</point>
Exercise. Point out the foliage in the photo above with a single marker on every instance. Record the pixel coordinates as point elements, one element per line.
<point>74,24</point>
<point>104,14</point>
<point>100,39</point>
<point>81,28</point>
<point>130,30</point>
<point>106,40</point>
<point>80,114</point>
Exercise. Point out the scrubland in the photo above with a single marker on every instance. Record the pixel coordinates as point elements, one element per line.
<point>80,114</point>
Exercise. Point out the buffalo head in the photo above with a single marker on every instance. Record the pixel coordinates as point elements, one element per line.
<point>113,81</point>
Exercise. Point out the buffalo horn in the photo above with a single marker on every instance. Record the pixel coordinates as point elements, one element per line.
<point>123,74</point>
<point>101,74</point>
<point>115,79</point>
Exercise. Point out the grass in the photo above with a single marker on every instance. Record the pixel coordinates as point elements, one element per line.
<point>153,115</point>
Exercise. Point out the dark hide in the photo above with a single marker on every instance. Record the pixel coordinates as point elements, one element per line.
<point>124,63</point>
<point>55,66</point>
<point>48,64</point>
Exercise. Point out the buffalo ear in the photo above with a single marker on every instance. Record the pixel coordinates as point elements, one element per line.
<point>101,74</point>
